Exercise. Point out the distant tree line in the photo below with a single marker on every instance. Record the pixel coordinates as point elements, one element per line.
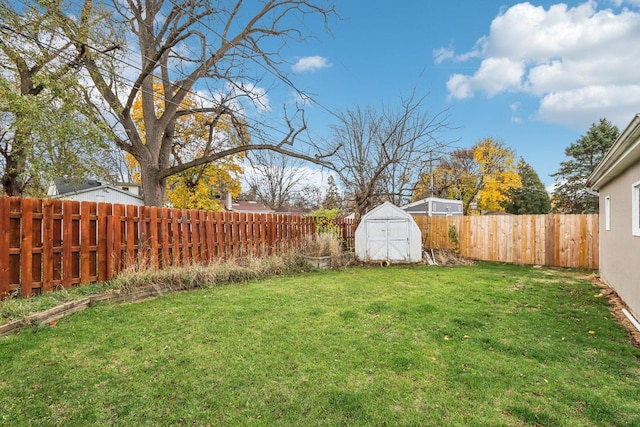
<point>486,178</point>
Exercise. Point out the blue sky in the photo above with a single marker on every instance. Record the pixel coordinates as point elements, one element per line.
<point>534,75</point>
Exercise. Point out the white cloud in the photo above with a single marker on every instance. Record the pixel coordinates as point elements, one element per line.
<point>442,54</point>
<point>494,76</point>
<point>310,63</point>
<point>498,75</point>
<point>626,2</point>
<point>445,53</point>
<point>515,108</point>
<point>460,87</point>
<point>312,177</point>
<point>573,107</point>
<point>579,61</point>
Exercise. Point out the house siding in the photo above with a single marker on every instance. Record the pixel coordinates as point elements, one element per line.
<point>619,248</point>
<point>103,195</point>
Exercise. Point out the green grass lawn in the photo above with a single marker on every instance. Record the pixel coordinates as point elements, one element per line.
<point>476,345</point>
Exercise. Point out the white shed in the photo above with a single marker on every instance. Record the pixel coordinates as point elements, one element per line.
<point>388,233</point>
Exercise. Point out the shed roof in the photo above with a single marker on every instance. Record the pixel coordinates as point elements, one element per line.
<point>292,210</point>
<point>387,210</point>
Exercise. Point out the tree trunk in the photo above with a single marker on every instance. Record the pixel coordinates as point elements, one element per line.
<point>15,163</point>
<point>11,184</point>
<point>153,187</point>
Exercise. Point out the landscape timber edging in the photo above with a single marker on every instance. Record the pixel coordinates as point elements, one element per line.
<point>65,309</point>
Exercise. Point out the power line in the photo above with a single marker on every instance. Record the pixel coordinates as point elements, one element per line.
<point>130,83</point>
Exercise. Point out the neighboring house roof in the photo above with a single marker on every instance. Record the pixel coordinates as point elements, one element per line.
<point>92,190</point>
<point>292,210</point>
<point>624,152</point>
<point>421,202</point>
<point>438,205</point>
<point>64,186</point>
<point>249,206</point>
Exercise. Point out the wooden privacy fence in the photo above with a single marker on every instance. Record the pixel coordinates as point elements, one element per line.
<point>552,240</point>
<point>47,244</point>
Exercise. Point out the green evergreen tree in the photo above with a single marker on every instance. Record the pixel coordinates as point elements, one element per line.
<point>332,198</point>
<point>571,195</point>
<point>530,199</point>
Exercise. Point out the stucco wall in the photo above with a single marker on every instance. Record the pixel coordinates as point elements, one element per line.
<point>619,248</point>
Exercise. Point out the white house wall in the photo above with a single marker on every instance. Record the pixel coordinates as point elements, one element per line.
<point>104,195</point>
<point>619,249</point>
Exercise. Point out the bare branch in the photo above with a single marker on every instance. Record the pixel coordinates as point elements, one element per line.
<point>380,155</point>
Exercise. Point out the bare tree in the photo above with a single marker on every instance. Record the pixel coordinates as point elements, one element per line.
<point>381,154</point>
<point>274,179</point>
<point>310,196</point>
<point>186,47</point>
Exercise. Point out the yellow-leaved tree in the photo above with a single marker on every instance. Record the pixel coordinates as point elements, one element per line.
<point>480,175</point>
<point>499,173</point>
<point>203,186</point>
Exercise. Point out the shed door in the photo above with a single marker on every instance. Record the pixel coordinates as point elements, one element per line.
<point>398,237</point>
<point>388,240</point>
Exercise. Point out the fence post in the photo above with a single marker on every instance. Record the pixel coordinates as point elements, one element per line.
<point>5,224</point>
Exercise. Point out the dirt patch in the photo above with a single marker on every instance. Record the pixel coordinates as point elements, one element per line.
<point>616,305</point>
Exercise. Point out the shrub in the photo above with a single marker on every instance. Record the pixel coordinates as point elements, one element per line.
<point>322,244</point>
<point>453,237</point>
<point>325,220</point>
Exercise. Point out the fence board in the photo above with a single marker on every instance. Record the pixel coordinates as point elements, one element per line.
<point>132,223</point>
<point>195,236</point>
<point>118,233</point>
<point>185,228</point>
<point>553,240</point>
<point>202,228</point>
<point>5,224</point>
<point>102,250</point>
<point>26,246</point>
<point>45,244</point>
<point>85,231</point>
<point>67,243</point>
